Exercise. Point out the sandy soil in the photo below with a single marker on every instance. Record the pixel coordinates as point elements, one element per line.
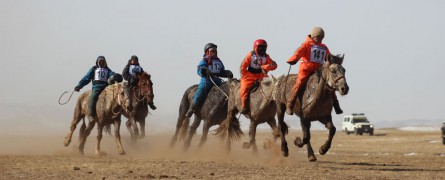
<point>389,154</point>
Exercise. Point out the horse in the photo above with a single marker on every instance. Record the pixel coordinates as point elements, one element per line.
<point>313,104</point>
<point>142,95</point>
<point>212,111</point>
<point>262,109</point>
<point>108,109</point>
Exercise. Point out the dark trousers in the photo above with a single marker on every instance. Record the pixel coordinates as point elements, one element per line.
<point>95,92</point>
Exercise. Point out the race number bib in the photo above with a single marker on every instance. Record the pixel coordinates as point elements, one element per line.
<point>215,67</point>
<point>101,74</point>
<point>257,61</point>
<point>135,69</point>
<point>318,54</point>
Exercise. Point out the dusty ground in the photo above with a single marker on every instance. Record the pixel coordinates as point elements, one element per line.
<point>390,154</point>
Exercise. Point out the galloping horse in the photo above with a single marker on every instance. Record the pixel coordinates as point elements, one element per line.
<point>212,111</point>
<point>262,109</point>
<point>108,109</point>
<point>142,95</point>
<point>315,103</point>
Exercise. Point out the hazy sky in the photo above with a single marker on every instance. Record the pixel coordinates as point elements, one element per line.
<point>393,49</point>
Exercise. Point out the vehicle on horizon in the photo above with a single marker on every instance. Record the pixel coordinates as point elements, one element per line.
<point>443,133</point>
<point>358,124</point>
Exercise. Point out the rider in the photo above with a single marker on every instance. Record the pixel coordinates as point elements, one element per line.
<point>313,53</point>
<point>130,72</point>
<point>100,75</point>
<point>209,68</point>
<point>253,68</point>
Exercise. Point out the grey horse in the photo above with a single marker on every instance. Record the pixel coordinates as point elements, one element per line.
<point>262,109</point>
<point>314,104</point>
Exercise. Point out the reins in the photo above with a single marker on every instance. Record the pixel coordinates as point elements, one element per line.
<point>210,77</point>
<point>285,83</point>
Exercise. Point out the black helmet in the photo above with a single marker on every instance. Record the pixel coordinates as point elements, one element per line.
<point>134,57</point>
<point>208,46</point>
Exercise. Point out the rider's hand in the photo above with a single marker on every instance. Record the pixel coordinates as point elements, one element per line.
<point>229,74</point>
<point>292,62</point>
<point>264,71</point>
<point>205,71</point>
<point>77,88</point>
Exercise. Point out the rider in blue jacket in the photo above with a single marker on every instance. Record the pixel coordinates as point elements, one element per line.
<point>209,67</point>
<point>100,75</point>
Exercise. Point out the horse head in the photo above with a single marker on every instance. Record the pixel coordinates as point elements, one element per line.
<point>119,95</point>
<point>145,87</point>
<point>334,74</point>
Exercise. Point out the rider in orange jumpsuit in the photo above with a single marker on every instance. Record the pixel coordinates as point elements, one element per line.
<point>313,54</point>
<point>253,68</point>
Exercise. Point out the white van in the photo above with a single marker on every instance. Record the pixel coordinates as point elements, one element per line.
<point>358,124</point>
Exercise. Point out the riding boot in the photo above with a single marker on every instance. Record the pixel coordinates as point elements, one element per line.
<point>190,111</point>
<point>246,108</point>
<point>337,107</point>
<point>152,106</point>
<point>291,101</point>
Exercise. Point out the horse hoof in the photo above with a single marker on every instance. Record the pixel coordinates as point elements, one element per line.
<point>66,143</point>
<point>122,153</point>
<point>322,152</point>
<point>298,142</point>
<point>312,158</point>
<point>246,145</point>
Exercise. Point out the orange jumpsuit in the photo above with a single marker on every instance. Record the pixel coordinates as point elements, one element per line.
<point>312,57</point>
<point>251,70</point>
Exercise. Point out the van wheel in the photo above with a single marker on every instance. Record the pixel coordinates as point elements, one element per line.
<point>371,132</point>
<point>346,131</point>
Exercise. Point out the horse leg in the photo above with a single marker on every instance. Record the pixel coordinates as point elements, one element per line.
<point>193,127</point>
<point>142,126</point>
<point>117,135</point>
<point>273,125</point>
<point>179,126</point>
<point>135,129</point>
<point>74,123</point>
<point>100,128</point>
<point>205,132</point>
<point>282,129</point>
<point>306,126</point>
<point>87,132</point>
<point>252,133</point>
<point>330,126</point>
<point>128,124</point>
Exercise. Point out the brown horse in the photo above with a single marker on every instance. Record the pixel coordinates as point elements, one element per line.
<point>142,95</point>
<point>314,104</point>
<point>108,110</point>
<point>262,109</point>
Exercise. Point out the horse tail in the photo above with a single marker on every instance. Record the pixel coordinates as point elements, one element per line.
<point>230,128</point>
<point>183,108</point>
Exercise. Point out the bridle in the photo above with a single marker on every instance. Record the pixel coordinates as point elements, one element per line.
<point>331,88</point>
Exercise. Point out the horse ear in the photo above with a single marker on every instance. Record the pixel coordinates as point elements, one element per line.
<point>340,58</point>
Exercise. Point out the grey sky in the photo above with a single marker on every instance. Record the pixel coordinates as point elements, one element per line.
<point>393,48</point>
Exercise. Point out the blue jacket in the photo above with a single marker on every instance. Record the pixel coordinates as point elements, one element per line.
<point>89,77</point>
<point>215,66</point>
